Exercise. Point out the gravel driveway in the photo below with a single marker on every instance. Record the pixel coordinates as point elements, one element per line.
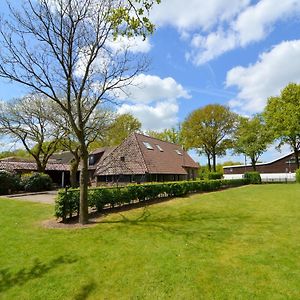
<point>44,197</point>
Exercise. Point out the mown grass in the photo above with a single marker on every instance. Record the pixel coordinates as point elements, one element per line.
<point>240,243</point>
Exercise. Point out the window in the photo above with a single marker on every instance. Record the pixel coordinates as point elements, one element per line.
<point>122,158</point>
<point>148,146</point>
<point>178,152</point>
<point>160,148</point>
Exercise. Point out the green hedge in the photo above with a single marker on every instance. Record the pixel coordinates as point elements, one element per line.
<point>215,175</point>
<point>36,182</point>
<point>253,177</point>
<point>67,202</point>
<point>9,182</point>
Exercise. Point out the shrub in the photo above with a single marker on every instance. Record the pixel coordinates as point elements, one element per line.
<point>298,175</point>
<point>36,182</point>
<point>67,202</point>
<point>9,182</point>
<point>215,175</point>
<point>253,177</point>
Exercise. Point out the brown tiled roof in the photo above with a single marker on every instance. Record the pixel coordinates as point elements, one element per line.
<point>64,157</point>
<point>30,166</point>
<point>133,157</point>
<point>101,154</point>
<point>168,161</point>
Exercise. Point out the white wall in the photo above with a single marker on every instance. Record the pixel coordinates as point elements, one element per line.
<point>267,177</point>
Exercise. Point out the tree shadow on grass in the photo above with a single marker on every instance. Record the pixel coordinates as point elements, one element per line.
<point>9,279</point>
<point>204,225</point>
<point>85,291</point>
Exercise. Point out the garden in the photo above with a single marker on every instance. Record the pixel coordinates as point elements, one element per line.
<point>239,243</point>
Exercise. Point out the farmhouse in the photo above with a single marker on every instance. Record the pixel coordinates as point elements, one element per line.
<point>282,167</point>
<point>141,158</point>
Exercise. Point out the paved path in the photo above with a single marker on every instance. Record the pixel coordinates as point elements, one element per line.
<point>45,197</point>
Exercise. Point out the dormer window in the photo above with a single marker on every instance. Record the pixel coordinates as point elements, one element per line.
<point>148,146</point>
<point>160,148</point>
<point>178,152</point>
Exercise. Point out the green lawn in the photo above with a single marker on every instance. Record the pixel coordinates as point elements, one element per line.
<point>240,243</point>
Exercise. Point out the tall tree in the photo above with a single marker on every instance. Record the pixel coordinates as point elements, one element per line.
<point>62,50</point>
<point>121,128</point>
<point>26,120</point>
<point>282,115</point>
<point>251,138</point>
<point>209,130</point>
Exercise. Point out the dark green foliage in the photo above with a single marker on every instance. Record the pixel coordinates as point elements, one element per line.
<point>298,175</point>
<point>9,182</point>
<point>36,182</point>
<point>215,175</point>
<point>252,177</point>
<point>67,202</point>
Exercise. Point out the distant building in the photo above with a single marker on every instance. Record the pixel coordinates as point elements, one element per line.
<point>282,167</point>
<point>141,158</point>
<point>58,171</point>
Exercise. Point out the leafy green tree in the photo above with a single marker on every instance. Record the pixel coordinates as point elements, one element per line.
<point>251,138</point>
<point>61,49</point>
<point>209,130</point>
<point>282,115</point>
<point>121,128</point>
<point>172,135</point>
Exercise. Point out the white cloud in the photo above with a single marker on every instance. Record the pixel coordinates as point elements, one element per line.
<point>272,72</point>
<point>217,26</point>
<point>149,88</point>
<point>153,117</point>
<point>195,14</point>
<point>132,44</point>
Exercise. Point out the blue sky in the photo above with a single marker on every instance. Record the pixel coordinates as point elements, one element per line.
<point>234,52</point>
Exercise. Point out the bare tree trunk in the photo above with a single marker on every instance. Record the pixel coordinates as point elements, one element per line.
<point>84,178</point>
<point>73,173</point>
<point>296,153</point>
<point>214,162</point>
<point>208,163</point>
<point>253,163</point>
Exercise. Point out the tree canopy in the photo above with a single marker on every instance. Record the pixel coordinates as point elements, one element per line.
<point>252,138</point>
<point>282,115</point>
<point>208,130</point>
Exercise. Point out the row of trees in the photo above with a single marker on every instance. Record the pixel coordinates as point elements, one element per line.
<point>214,129</point>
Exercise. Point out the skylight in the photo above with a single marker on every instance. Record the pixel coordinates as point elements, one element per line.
<point>178,152</point>
<point>160,148</point>
<point>148,146</point>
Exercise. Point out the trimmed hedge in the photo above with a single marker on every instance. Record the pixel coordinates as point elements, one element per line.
<point>253,177</point>
<point>9,182</point>
<point>298,175</point>
<point>215,175</point>
<point>36,182</point>
<point>67,202</point>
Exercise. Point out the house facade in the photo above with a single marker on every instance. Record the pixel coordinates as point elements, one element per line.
<point>141,158</point>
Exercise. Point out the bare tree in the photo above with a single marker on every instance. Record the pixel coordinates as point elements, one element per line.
<point>26,120</point>
<point>96,129</point>
<point>62,50</point>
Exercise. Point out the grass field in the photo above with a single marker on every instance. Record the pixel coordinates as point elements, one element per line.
<point>240,243</point>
